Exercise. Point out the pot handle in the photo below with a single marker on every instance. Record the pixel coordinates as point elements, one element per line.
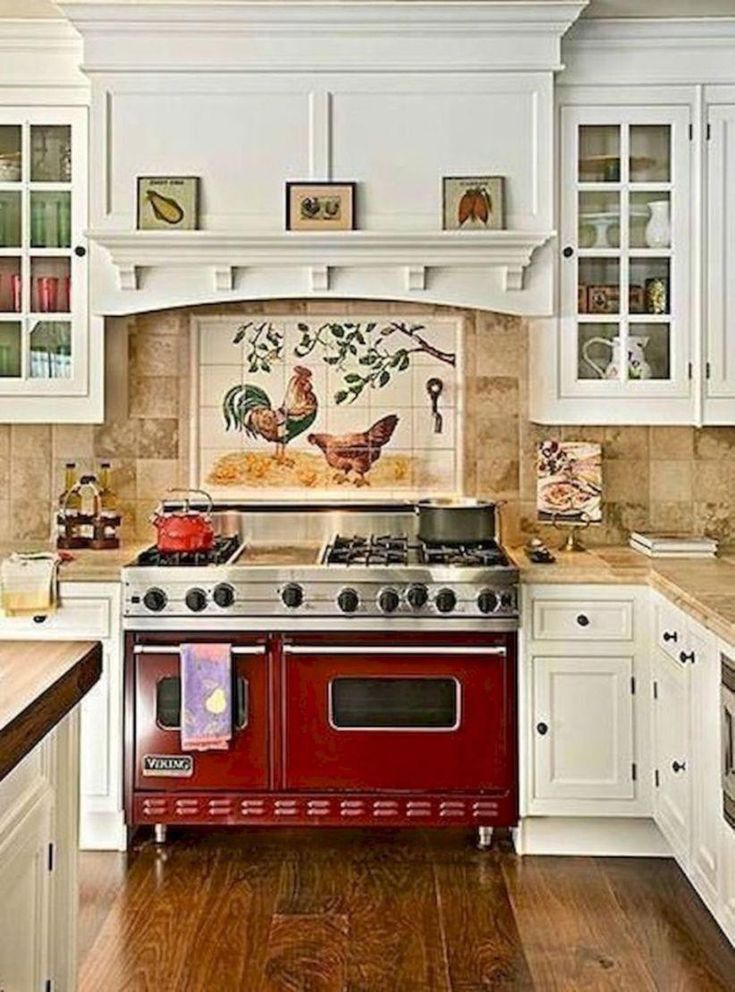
<point>202,492</point>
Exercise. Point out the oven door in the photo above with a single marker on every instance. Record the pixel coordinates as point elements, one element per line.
<point>728,737</point>
<point>410,718</point>
<point>160,762</point>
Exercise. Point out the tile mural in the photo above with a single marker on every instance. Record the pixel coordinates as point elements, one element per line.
<point>357,405</point>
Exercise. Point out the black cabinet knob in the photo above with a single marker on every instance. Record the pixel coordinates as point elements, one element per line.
<point>543,728</point>
<point>80,251</point>
<point>583,621</point>
<point>684,657</point>
<point>40,618</point>
<point>671,635</point>
<point>678,766</point>
<point>568,251</point>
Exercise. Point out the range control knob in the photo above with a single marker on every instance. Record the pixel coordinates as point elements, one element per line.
<point>196,600</point>
<point>487,601</point>
<point>507,601</point>
<point>292,595</point>
<point>223,595</point>
<point>389,600</point>
<point>446,600</point>
<point>155,600</point>
<point>417,596</point>
<point>348,600</point>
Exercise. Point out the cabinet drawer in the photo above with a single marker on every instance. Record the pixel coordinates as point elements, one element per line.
<point>670,629</point>
<point>75,618</point>
<point>562,620</point>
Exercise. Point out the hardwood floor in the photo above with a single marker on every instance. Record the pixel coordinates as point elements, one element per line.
<point>388,911</point>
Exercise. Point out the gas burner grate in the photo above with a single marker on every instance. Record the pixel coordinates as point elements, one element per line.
<point>385,549</point>
<point>223,549</point>
<point>485,554</point>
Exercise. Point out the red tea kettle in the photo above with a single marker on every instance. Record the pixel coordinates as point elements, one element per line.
<point>184,529</point>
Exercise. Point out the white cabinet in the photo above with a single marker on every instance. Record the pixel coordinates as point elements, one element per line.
<point>706,788</point>
<point>25,906</point>
<point>48,354</point>
<point>671,752</point>
<point>38,854</point>
<point>91,611</point>
<point>584,722</point>
<point>719,399</point>
<point>686,749</point>
<point>583,740</point>
<point>620,346</point>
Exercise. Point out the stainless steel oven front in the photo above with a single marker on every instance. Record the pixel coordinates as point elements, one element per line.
<point>728,738</point>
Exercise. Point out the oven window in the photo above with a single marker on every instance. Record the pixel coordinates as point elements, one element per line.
<point>394,703</point>
<point>168,702</point>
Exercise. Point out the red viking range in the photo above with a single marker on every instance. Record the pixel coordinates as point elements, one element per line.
<point>339,668</point>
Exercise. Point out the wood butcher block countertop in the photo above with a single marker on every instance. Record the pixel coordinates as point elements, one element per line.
<point>703,587</point>
<point>40,682</point>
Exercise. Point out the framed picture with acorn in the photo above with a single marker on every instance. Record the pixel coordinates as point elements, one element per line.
<point>473,203</point>
<point>168,203</point>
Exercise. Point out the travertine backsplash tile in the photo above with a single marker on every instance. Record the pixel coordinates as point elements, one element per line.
<point>663,477</point>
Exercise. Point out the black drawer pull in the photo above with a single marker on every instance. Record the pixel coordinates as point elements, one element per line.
<point>40,618</point>
<point>684,657</point>
<point>583,621</point>
<point>568,251</point>
<point>671,635</point>
<point>543,728</point>
<point>678,766</point>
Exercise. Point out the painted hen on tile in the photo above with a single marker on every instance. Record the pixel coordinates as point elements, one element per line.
<point>248,408</point>
<point>356,452</point>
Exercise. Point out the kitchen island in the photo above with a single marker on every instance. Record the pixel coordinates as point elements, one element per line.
<point>41,685</point>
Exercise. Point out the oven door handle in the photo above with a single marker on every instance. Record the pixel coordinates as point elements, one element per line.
<point>447,649</point>
<point>258,649</point>
<point>242,703</point>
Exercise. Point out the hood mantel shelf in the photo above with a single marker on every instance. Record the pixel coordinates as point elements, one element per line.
<point>411,254</point>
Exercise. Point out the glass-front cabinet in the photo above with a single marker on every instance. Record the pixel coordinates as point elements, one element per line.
<point>44,337</point>
<point>625,235</point>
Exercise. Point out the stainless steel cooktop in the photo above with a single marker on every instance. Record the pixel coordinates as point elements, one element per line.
<point>298,569</point>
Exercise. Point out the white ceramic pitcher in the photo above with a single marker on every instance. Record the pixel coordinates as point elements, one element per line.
<point>638,367</point>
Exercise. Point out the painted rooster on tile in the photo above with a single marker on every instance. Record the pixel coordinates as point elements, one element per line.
<point>248,408</point>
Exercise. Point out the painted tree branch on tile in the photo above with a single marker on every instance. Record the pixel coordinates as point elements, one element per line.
<point>340,343</point>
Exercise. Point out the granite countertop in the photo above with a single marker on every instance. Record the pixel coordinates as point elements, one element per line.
<point>704,588</point>
<point>85,565</point>
<point>40,682</point>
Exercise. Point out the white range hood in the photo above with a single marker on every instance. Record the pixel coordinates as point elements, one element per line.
<point>391,95</point>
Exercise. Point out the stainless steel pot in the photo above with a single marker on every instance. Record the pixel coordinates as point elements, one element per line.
<point>456,521</point>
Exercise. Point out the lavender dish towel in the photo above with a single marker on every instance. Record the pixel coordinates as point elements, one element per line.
<point>206,697</point>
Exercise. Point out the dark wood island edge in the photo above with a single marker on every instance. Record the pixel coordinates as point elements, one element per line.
<point>31,725</point>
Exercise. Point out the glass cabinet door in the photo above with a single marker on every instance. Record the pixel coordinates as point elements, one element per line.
<point>624,262</point>
<point>42,277</point>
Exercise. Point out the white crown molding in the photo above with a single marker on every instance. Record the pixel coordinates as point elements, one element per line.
<point>40,53</point>
<point>292,36</point>
<point>683,50</point>
<point>506,252</point>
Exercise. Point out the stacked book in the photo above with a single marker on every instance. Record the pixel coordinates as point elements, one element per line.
<point>663,545</point>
